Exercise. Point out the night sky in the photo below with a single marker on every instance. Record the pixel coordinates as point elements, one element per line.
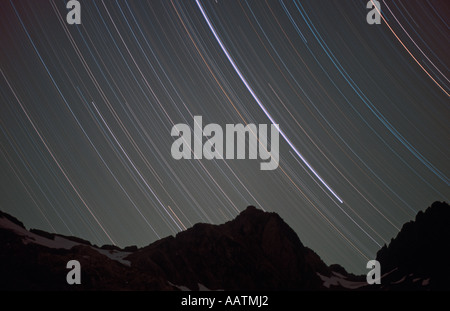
<point>86,113</point>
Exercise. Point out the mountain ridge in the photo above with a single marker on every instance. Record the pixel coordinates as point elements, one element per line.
<point>257,250</point>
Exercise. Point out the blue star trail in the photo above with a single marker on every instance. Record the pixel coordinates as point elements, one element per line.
<point>86,112</point>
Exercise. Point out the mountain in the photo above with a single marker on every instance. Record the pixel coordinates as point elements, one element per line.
<point>417,258</point>
<point>255,251</point>
<point>36,260</point>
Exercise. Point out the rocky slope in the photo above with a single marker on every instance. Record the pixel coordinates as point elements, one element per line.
<point>418,257</point>
<point>255,251</point>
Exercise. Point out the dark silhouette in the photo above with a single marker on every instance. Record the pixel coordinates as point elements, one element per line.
<point>420,254</point>
<point>255,251</point>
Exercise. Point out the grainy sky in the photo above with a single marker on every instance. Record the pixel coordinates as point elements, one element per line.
<point>86,113</point>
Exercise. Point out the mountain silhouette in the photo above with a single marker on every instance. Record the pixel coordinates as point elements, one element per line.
<point>255,251</point>
<point>420,253</point>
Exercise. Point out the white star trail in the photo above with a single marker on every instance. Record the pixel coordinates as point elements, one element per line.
<point>86,113</point>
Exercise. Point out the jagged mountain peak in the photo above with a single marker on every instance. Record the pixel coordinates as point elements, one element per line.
<point>420,251</point>
<point>257,250</point>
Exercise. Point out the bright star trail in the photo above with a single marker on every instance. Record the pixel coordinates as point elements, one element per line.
<point>86,113</point>
<point>260,104</point>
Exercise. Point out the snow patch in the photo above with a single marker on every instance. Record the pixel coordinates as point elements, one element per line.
<point>58,242</point>
<point>115,255</point>
<point>180,287</point>
<point>339,275</point>
<point>340,280</point>
<point>399,281</point>
<point>201,288</point>
<point>29,237</point>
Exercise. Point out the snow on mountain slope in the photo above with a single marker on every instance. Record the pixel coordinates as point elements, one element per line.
<point>58,242</point>
<point>115,255</point>
<point>339,280</point>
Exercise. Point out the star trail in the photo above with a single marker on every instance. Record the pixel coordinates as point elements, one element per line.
<point>86,112</point>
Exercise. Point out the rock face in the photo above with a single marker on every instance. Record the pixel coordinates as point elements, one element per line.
<point>36,260</point>
<point>420,254</point>
<point>255,251</point>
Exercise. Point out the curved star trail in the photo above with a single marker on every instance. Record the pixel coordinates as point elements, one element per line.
<point>86,114</point>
